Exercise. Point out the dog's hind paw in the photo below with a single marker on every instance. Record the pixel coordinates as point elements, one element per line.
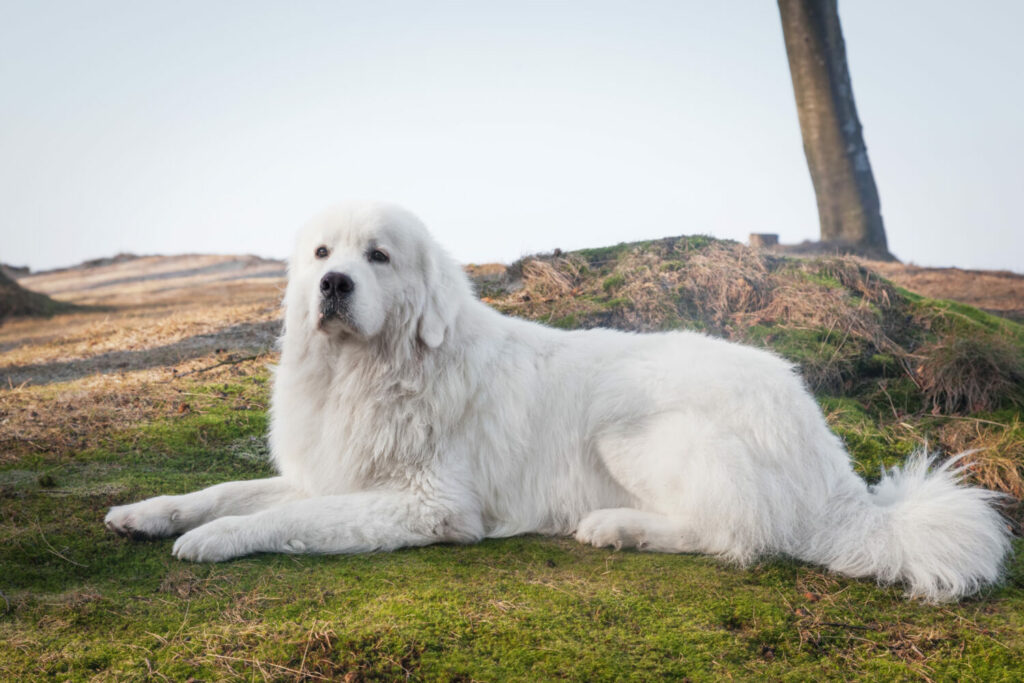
<point>611,527</point>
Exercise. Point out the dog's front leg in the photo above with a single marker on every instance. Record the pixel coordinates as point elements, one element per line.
<point>171,515</point>
<point>350,523</point>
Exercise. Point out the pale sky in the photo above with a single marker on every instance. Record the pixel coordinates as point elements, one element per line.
<point>510,127</point>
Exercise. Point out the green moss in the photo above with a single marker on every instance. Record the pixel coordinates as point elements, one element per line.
<point>830,361</point>
<point>525,608</point>
<point>567,322</point>
<point>872,447</point>
<point>882,364</point>
<point>822,275</point>
<point>613,282</point>
<point>617,302</point>
<point>514,609</point>
<point>604,255</point>
<point>960,319</point>
<point>894,397</point>
<point>907,294</point>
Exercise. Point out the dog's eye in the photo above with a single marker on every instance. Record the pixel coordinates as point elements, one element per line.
<point>378,256</point>
<point>322,251</point>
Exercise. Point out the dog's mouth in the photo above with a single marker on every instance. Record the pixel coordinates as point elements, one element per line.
<point>334,316</point>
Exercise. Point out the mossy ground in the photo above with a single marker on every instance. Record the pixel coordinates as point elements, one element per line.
<point>80,604</point>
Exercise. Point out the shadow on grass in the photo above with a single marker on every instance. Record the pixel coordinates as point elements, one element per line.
<point>244,336</point>
<point>230,270</point>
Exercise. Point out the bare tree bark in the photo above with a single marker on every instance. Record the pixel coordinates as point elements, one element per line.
<point>848,205</point>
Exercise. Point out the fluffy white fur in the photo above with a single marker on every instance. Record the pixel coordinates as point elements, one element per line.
<point>419,415</point>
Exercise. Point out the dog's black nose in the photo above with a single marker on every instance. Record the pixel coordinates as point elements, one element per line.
<point>336,284</point>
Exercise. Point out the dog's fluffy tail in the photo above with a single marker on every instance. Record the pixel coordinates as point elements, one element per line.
<point>917,526</point>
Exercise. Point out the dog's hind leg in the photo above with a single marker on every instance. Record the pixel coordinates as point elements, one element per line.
<point>695,486</point>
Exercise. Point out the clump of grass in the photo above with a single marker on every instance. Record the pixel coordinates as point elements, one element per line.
<point>970,373</point>
<point>724,280</point>
<point>613,282</point>
<point>547,282</point>
<point>997,451</point>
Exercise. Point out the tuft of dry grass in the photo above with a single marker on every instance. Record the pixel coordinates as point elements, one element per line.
<point>725,280</point>
<point>185,584</point>
<point>997,451</point>
<point>970,373</point>
<point>547,282</point>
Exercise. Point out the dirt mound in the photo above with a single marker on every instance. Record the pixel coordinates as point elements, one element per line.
<point>15,300</point>
<point>847,327</point>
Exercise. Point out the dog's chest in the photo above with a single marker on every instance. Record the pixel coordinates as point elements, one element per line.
<point>356,432</point>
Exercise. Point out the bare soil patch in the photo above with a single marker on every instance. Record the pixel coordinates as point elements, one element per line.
<point>996,291</point>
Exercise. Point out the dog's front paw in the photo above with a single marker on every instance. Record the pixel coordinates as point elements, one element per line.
<point>217,541</point>
<point>153,518</point>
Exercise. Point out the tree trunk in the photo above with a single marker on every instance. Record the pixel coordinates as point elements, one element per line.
<point>848,205</point>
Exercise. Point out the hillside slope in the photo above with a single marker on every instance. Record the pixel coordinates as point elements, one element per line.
<point>166,390</point>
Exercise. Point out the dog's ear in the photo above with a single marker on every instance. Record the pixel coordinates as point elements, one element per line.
<point>442,301</point>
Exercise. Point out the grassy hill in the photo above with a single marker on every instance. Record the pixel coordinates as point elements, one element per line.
<point>170,393</point>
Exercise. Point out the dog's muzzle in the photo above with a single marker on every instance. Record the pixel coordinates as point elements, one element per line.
<point>335,293</point>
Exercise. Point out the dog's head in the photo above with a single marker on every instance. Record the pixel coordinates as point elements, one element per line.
<point>362,270</point>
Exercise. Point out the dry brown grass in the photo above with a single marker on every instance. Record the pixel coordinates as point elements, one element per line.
<point>80,336</point>
<point>970,373</point>
<point>72,381</point>
<point>832,315</point>
<point>723,285</point>
<point>548,283</point>
<point>724,288</point>
<point>79,416</point>
<point>726,280</point>
<point>61,420</point>
<point>160,280</point>
<point>997,452</point>
<point>184,583</point>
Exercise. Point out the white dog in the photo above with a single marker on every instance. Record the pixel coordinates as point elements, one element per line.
<point>405,412</point>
